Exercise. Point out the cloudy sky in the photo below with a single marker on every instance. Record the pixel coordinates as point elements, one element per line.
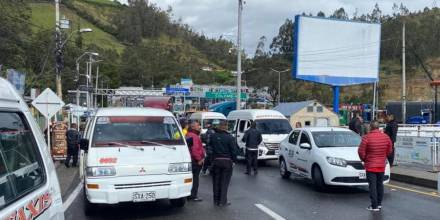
<point>264,17</point>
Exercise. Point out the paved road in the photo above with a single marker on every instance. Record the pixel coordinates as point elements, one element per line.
<point>290,199</point>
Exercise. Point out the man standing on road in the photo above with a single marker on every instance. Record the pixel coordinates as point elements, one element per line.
<point>252,138</point>
<point>206,139</point>
<point>391,131</point>
<point>224,154</point>
<point>373,151</point>
<point>197,157</point>
<point>356,123</point>
<point>73,137</point>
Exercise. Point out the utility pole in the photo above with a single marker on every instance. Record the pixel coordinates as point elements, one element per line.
<point>240,9</point>
<point>96,88</point>
<point>59,63</point>
<point>403,75</point>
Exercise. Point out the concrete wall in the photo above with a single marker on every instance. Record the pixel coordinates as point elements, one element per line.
<point>303,116</point>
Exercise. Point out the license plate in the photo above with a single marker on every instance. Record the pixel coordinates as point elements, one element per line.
<point>277,152</point>
<point>362,175</point>
<point>144,196</point>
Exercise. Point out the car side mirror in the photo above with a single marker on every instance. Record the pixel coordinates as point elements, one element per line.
<point>305,146</point>
<point>84,144</point>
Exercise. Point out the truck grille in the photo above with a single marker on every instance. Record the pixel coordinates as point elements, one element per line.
<point>142,185</point>
<point>272,146</point>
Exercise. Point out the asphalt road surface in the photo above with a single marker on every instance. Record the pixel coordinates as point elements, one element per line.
<point>267,196</point>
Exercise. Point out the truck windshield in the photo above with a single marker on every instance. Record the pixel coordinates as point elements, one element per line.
<point>336,139</point>
<point>136,131</point>
<point>273,126</point>
<point>211,121</point>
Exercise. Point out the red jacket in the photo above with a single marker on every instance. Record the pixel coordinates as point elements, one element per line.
<point>197,150</point>
<point>374,149</point>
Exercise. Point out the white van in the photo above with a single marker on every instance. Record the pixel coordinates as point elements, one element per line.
<point>135,155</point>
<point>272,124</point>
<point>206,118</point>
<point>29,185</point>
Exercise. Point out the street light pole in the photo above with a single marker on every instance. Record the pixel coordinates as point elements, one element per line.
<point>240,9</point>
<point>279,83</point>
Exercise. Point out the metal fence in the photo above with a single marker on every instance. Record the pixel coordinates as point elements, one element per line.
<point>418,145</point>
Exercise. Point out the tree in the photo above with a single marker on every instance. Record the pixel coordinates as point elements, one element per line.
<point>321,14</point>
<point>376,14</point>
<point>260,51</point>
<point>283,43</point>
<point>340,14</point>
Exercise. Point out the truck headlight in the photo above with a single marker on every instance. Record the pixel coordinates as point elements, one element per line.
<point>100,171</point>
<point>337,161</point>
<point>179,167</point>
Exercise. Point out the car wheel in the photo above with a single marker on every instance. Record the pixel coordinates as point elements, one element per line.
<point>285,174</point>
<point>178,203</point>
<point>318,179</point>
<point>89,208</point>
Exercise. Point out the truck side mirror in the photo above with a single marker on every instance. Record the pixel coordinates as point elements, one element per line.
<point>84,144</point>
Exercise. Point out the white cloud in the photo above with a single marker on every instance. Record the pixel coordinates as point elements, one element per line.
<point>264,17</point>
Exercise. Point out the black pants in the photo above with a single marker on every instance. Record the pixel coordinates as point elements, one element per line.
<point>72,152</point>
<point>391,157</point>
<point>251,160</point>
<point>207,164</point>
<point>221,177</point>
<point>196,175</point>
<point>375,184</point>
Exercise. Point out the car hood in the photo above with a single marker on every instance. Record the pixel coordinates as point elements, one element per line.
<point>347,153</point>
<point>273,138</point>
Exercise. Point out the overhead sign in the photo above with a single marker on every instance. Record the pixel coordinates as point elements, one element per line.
<point>176,90</point>
<point>17,79</point>
<point>48,103</point>
<point>224,95</point>
<point>336,52</point>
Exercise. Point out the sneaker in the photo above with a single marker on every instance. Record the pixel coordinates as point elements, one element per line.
<point>370,208</point>
<point>196,199</point>
<point>379,207</point>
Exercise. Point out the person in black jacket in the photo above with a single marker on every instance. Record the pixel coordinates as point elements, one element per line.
<point>356,123</point>
<point>253,139</point>
<point>206,139</point>
<point>224,154</point>
<point>391,131</point>
<point>73,138</point>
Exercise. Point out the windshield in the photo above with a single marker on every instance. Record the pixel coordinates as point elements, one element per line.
<point>273,126</point>
<point>211,121</point>
<point>336,139</point>
<point>136,131</point>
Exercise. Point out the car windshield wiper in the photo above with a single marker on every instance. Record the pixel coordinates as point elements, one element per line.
<point>158,144</point>
<point>126,145</point>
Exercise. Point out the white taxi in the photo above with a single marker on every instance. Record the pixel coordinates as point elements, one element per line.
<point>327,156</point>
<point>135,155</point>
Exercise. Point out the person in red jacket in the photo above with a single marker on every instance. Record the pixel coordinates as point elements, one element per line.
<point>197,157</point>
<point>373,151</point>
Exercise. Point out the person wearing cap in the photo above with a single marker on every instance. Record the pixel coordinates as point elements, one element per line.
<point>224,155</point>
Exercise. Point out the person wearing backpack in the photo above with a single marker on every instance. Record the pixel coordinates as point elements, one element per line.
<point>73,138</point>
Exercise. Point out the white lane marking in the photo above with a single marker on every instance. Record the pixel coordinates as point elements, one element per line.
<point>72,197</point>
<point>269,212</point>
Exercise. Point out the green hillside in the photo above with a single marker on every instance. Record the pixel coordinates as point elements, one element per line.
<point>43,14</point>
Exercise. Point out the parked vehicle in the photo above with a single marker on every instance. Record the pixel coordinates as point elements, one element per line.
<point>272,124</point>
<point>29,185</point>
<point>160,102</point>
<point>134,155</point>
<point>206,118</point>
<point>223,107</point>
<point>327,156</point>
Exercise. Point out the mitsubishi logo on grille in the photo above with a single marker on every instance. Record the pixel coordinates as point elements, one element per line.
<point>142,170</point>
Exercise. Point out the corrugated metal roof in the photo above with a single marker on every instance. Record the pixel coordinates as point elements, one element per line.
<point>288,108</point>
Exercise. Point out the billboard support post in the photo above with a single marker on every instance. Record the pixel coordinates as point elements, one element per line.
<point>336,99</point>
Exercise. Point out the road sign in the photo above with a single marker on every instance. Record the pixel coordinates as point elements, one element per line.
<point>48,103</point>
<point>224,95</point>
<point>177,91</point>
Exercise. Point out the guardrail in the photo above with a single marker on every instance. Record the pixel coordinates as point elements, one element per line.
<point>418,145</point>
